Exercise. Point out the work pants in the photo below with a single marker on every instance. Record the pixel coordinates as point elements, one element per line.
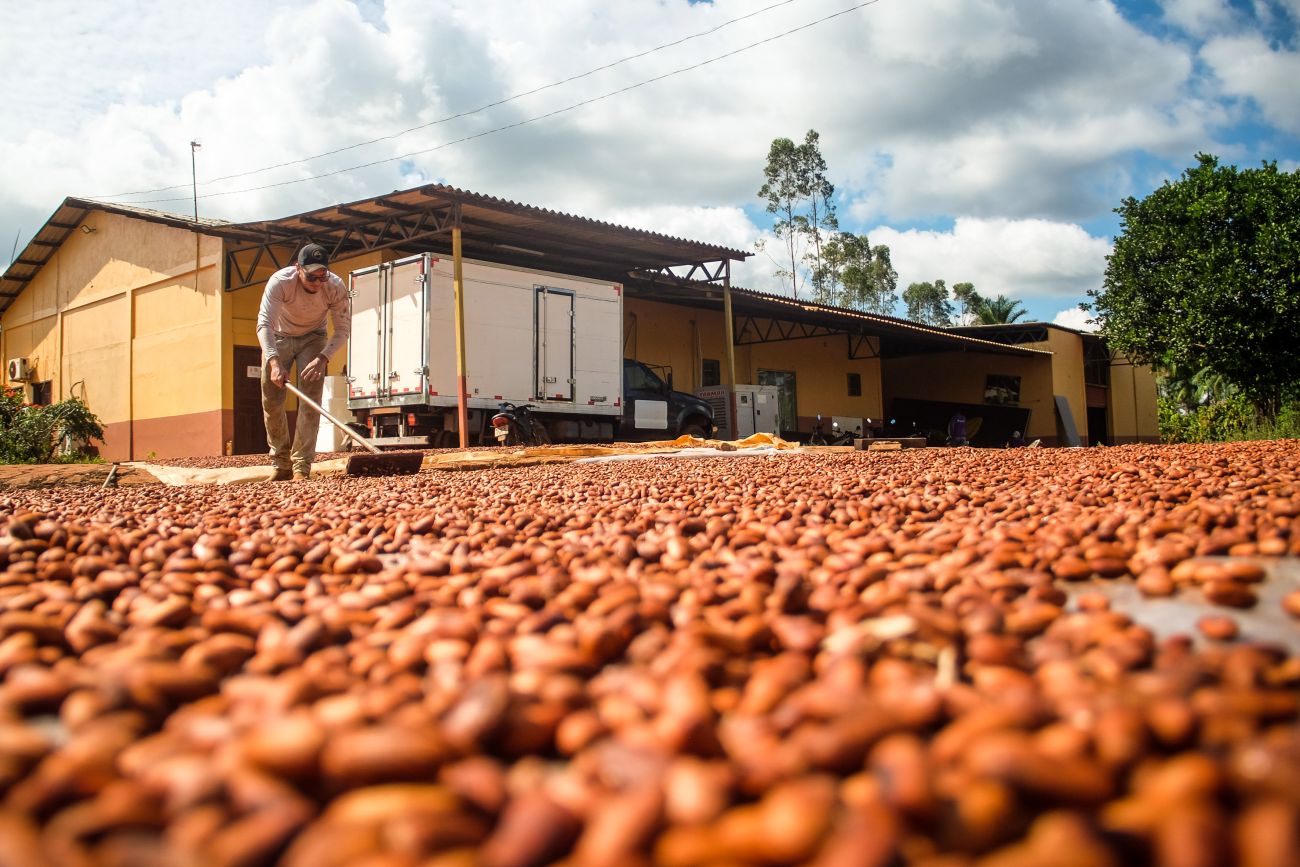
<point>294,353</point>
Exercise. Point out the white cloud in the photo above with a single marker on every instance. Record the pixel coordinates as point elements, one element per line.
<point>1076,318</point>
<point>1199,17</point>
<point>1028,118</point>
<point>1247,66</point>
<point>1018,258</point>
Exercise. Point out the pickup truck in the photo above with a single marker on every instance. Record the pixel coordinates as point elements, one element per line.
<point>655,411</point>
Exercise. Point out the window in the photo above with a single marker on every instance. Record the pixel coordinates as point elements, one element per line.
<point>855,385</point>
<point>787,409</point>
<point>711,372</point>
<point>1002,390</point>
<point>638,376</point>
<point>42,392</point>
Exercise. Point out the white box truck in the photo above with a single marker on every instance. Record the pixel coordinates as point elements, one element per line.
<point>550,340</point>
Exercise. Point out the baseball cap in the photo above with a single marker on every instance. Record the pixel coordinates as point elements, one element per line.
<point>313,257</point>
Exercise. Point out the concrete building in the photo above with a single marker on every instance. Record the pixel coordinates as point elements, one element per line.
<point>150,318</point>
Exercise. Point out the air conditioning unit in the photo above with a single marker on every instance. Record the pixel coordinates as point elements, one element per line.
<point>19,370</point>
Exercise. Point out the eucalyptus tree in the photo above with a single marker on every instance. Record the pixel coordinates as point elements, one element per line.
<point>800,197</point>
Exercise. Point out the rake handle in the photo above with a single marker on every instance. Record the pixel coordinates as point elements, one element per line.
<point>334,421</point>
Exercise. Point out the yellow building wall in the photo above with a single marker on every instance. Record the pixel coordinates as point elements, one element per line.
<point>1134,416</point>
<point>126,317</point>
<point>1067,375</point>
<point>659,333</point>
<point>959,377</point>
<point>95,363</point>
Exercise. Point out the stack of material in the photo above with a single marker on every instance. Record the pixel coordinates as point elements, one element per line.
<point>335,399</point>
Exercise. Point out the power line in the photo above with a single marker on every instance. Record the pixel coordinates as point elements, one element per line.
<point>467,113</point>
<point>529,120</point>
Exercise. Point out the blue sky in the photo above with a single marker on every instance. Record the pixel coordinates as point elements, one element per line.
<point>982,140</point>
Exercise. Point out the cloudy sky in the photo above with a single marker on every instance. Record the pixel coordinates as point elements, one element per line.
<point>982,140</point>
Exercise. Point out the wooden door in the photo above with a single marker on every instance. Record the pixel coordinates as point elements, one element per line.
<point>250,430</point>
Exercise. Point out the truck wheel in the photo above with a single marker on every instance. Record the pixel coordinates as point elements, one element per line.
<point>695,430</point>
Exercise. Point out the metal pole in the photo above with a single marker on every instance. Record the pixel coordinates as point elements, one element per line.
<point>194,178</point>
<point>458,287</point>
<point>728,329</point>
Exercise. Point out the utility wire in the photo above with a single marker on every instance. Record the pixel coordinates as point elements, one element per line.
<point>466,113</point>
<point>526,121</point>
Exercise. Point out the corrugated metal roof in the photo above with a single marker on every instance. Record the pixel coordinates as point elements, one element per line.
<point>63,222</point>
<point>899,336</point>
<point>891,324</point>
<point>496,229</point>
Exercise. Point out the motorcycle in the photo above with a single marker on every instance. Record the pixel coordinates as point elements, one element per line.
<point>836,437</point>
<point>515,425</point>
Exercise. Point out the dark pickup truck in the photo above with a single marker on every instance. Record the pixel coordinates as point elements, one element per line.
<point>652,410</point>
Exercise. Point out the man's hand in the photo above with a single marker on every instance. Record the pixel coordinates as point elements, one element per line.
<point>275,371</point>
<point>316,370</point>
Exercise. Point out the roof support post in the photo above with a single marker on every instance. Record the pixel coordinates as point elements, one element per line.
<point>458,286</point>
<point>728,327</point>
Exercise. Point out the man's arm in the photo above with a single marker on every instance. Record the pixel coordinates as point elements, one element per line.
<point>267,312</point>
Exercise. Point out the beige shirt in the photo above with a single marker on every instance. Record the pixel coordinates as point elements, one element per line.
<point>289,309</point>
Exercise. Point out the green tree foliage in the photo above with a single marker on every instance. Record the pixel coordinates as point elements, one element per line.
<point>799,195</point>
<point>36,434</point>
<point>999,311</point>
<point>968,302</point>
<point>1206,274</point>
<point>928,303</point>
<point>856,275</point>
<point>879,293</point>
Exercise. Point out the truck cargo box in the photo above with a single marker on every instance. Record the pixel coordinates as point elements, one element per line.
<point>531,337</point>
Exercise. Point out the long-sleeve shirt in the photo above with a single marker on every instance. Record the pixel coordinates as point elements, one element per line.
<point>287,308</point>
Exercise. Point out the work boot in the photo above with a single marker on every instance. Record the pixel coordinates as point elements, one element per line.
<point>302,474</point>
<point>281,474</point>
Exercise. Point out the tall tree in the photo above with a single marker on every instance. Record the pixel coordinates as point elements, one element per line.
<point>798,194</point>
<point>1000,311</point>
<point>879,293</point>
<point>928,303</point>
<point>968,302</point>
<point>821,205</point>
<point>1205,274</point>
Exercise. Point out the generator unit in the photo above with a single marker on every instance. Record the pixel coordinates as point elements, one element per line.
<point>744,411</point>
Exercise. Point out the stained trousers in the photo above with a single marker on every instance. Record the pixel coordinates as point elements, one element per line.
<point>294,353</point>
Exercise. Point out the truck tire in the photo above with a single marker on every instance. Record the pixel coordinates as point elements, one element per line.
<point>695,429</point>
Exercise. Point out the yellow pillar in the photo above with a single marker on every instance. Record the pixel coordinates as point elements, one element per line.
<point>458,286</point>
<point>728,329</point>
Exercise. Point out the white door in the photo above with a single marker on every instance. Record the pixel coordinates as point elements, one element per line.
<point>406,326</point>
<point>554,343</point>
<point>366,342</point>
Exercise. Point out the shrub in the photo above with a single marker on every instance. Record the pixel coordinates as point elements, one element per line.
<point>31,434</point>
<point>1228,419</point>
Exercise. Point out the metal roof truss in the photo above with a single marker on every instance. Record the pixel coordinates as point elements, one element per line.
<point>365,233</point>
